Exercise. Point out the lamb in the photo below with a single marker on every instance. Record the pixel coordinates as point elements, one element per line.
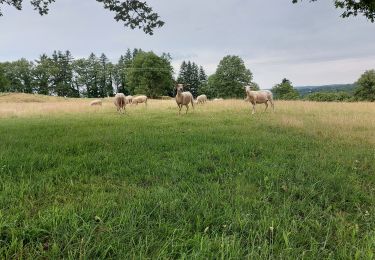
<point>96,102</point>
<point>201,99</point>
<point>183,98</point>
<point>259,97</point>
<point>120,102</point>
<point>140,99</point>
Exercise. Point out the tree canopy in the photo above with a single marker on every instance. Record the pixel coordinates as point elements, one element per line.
<point>366,86</point>
<point>133,13</point>
<point>285,90</point>
<point>230,77</point>
<point>354,7</point>
<point>192,76</point>
<point>151,75</point>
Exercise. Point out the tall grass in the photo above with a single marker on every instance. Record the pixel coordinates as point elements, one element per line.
<point>84,182</point>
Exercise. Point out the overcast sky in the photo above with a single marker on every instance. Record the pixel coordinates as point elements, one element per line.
<point>306,43</point>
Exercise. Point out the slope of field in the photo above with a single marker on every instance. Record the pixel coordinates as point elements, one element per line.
<point>85,182</point>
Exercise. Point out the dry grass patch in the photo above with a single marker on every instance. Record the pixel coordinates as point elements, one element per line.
<point>343,121</point>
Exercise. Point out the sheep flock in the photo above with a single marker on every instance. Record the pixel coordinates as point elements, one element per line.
<point>185,98</point>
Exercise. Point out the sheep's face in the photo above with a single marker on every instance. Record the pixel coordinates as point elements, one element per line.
<point>179,88</point>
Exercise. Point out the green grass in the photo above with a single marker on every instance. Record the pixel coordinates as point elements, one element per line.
<point>210,184</point>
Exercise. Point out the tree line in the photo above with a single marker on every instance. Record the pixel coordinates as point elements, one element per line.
<point>140,72</point>
<point>95,76</point>
<point>364,91</point>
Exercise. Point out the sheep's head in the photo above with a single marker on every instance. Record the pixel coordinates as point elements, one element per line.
<point>179,88</point>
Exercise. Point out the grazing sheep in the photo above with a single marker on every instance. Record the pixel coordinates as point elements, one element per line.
<point>129,99</point>
<point>140,99</point>
<point>120,102</point>
<point>96,102</point>
<point>218,99</point>
<point>183,98</point>
<point>201,99</point>
<point>259,97</point>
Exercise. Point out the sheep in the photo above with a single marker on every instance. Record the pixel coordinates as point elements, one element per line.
<point>201,99</point>
<point>183,98</point>
<point>259,97</point>
<point>218,99</point>
<point>129,99</point>
<point>120,102</point>
<point>140,99</point>
<point>96,102</point>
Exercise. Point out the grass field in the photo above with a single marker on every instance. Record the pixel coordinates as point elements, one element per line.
<point>85,182</point>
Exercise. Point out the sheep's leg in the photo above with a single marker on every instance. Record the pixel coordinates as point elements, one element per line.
<point>253,112</point>
<point>187,108</point>
<point>273,107</point>
<point>180,107</point>
<point>266,106</point>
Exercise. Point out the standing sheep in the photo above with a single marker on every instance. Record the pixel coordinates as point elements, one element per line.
<point>140,99</point>
<point>183,98</point>
<point>120,102</point>
<point>201,99</point>
<point>129,99</point>
<point>259,97</point>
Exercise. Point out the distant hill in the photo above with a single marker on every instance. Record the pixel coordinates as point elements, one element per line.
<point>305,90</point>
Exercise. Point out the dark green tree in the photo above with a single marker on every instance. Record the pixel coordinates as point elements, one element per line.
<point>285,91</point>
<point>4,81</point>
<point>19,75</point>
<point>119,72</point>
<point>209,88</point>
<point>182,75</point>
<point>189,75</point>
<point>42,75</point>
<point>81,76</point>
<point>365,89</point>
<point>105,77</point>
<point>231,76</point>
<point>202,75</point>
<point>151,75</point>
<point>62,74</point>
<point>93,75</point>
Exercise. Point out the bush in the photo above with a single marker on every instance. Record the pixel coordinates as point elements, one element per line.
<point>329,96</point>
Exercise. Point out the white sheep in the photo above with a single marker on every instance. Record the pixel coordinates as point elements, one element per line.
<point>201,99</point>
<point>129,99</point>
<point>96,102</point>
<point>139,99</point>
<point>120,102</point>
<point>183,98</point>
<point>259,97</point>
<point>218,99</point>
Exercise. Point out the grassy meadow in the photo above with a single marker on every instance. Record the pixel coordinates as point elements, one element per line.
<point>85,182</point>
